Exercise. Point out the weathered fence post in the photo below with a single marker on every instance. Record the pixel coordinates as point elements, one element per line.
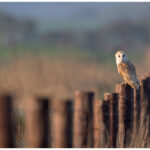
<point>6,125</point>
<point>136,109</point>
<point>125,113</point>
<point>113,119</point>
<point>107,110</point>
<point>36,122</point>
<point>111,116</point>
<point>145,95</point>
<point>143,98</point>
<point>145,103</point>
<point>148,93</point>
<point>106,118</point>
<point>61,120</point>
<point>121,117</point>
<point>97,123</point>
<point>83,120</point>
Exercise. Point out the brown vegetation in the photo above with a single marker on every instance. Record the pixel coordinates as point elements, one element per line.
<point>59,78</point>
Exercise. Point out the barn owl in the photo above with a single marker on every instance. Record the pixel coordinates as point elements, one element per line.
<point>126,69</point>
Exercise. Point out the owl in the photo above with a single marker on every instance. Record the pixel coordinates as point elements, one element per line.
<point>126,69</point>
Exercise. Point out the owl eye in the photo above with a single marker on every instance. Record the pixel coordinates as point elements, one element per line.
<point>118,55</point>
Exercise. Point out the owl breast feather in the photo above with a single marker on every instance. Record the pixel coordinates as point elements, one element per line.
<point>127,71</point>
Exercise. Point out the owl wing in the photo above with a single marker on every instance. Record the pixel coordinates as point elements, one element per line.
<point>128,72</point>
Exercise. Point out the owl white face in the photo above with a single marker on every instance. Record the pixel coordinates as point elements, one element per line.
<point>121,57</point>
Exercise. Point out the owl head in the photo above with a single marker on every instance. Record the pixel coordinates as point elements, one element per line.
<point>121,57</point>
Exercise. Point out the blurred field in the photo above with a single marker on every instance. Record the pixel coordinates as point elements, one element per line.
<point>58,72</point>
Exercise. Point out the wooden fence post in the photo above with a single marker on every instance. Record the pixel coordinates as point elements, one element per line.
<point>125,113</point>
<point>143,98</point>
<point>121,117</point>
<point>83,120</point>
<point>145,95</point>
<point>107,110</point>
<point>106,118</point>
<point>111,116</point>
<point>36,122</point>
<point>145,102</point>
<point>61,120</point>
<point>136,109</point>
<point>113,119</point>
<point>148,93</point>
<point>97,123</point>
<point>6,123</point>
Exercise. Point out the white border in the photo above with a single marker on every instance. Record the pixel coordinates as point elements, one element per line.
<point>74,1</point>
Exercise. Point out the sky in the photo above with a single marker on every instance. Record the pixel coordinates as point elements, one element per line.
<point>76,14</point>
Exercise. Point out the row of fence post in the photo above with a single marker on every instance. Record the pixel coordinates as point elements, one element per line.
<point>80,123</point>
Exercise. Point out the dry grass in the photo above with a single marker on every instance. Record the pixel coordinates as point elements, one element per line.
<point>55,77</point>
<point>59,78</point>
